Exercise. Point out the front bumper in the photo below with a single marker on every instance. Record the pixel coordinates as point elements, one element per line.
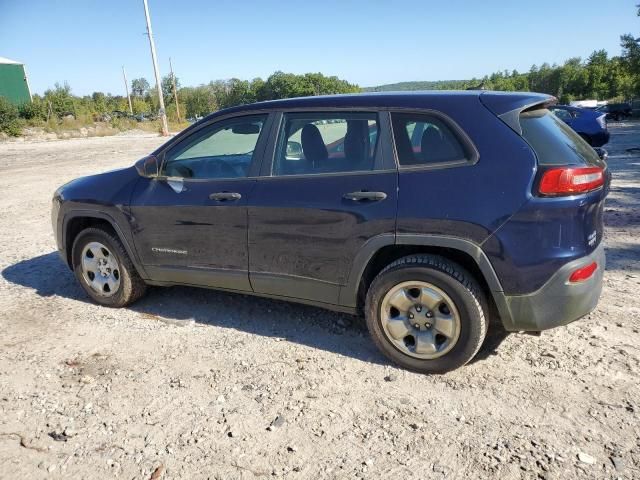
<point>557,302</point>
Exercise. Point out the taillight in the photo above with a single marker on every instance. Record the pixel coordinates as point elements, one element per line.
<point>570,181</point>
<point>584,273</point>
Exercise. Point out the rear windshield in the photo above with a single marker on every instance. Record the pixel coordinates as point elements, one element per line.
<point>554,142</point>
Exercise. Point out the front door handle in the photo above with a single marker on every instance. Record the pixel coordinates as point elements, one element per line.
<point>360,196</point>
<point>225,196</point>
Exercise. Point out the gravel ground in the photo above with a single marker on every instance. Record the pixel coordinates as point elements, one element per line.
<point>191,383</point>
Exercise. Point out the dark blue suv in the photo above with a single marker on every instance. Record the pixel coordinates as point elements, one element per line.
<point>429,213</point>
<point>591,125</point>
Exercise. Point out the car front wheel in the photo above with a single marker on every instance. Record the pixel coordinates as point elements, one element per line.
<point>104,269</point>
<point>426,314</point>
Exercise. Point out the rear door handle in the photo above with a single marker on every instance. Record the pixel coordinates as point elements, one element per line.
<point>359,196</point>
<point>225,196</point>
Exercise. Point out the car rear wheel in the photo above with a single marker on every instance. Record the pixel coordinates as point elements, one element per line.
<point>426,314</point>
<point>104,269</point>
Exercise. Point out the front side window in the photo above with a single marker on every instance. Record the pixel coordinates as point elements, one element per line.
<point>222,150</point>
<point>423,139</point>
<point>312,143</point>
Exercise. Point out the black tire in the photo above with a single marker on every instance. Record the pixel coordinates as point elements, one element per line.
<point>131,286</point>
<point>457,283</point>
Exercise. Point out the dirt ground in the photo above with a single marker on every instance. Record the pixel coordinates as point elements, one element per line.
<point>191,383</point>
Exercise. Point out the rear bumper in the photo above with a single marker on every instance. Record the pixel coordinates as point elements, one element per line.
<point>557,302</point>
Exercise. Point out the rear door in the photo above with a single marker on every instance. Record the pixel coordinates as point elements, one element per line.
<point>190,224</point>
<point>330,188</point>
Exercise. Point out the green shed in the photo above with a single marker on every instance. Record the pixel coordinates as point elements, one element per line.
<point>13,82</point>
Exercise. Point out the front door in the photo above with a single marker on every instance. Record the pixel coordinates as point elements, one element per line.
<point>190,223</point>
<point>328,191</point>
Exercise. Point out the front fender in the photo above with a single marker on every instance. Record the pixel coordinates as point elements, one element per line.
<point>86,214</point>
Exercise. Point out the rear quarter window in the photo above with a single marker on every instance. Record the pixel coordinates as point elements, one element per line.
<point>426,140</point>
<point>553,141</point>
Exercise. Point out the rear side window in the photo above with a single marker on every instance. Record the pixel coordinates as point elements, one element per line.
<point>318,142</point>
<point>554,142</point>
<point>423,139</point>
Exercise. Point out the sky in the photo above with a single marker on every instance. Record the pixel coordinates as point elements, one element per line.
<point>374,42</point>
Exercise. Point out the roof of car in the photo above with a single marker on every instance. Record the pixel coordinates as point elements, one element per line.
<point>414,99</point>
<point>507,105</point>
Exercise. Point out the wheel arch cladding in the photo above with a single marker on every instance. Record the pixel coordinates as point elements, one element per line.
<point>463,252</point>
<point>76,222</point>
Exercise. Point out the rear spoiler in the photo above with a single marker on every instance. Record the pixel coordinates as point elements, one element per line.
<point>508,106</point>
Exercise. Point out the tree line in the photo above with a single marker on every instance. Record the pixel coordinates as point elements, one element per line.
<point>597,77</point>
<point>58,104</point>
<point>198,101</point>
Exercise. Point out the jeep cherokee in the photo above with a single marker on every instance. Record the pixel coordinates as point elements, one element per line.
<point>428,212</point>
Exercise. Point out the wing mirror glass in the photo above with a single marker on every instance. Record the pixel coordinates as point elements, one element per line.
<point>148,166</point>
<point>294,151</point>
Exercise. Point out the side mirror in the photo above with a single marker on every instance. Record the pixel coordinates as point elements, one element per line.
<point>294,151</point>
<point>148,166</point>
<point>602,153</point>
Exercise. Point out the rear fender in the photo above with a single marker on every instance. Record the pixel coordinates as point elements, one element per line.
<point>349,292</point>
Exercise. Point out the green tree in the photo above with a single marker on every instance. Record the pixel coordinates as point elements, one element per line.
<point>139,106</point>
<point>36,109</point>
<point>139,87</point>
<point>9,121</point>
<point>199,101</point>
<point>99,102</point>
<point>60,100</point>
<point>167,88</point>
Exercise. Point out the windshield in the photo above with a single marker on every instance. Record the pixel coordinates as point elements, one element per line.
<point>554,142</point>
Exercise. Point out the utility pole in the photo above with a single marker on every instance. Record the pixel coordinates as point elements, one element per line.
<point>126,86</point>
<point>162,113</point>
<point>175,90</point>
